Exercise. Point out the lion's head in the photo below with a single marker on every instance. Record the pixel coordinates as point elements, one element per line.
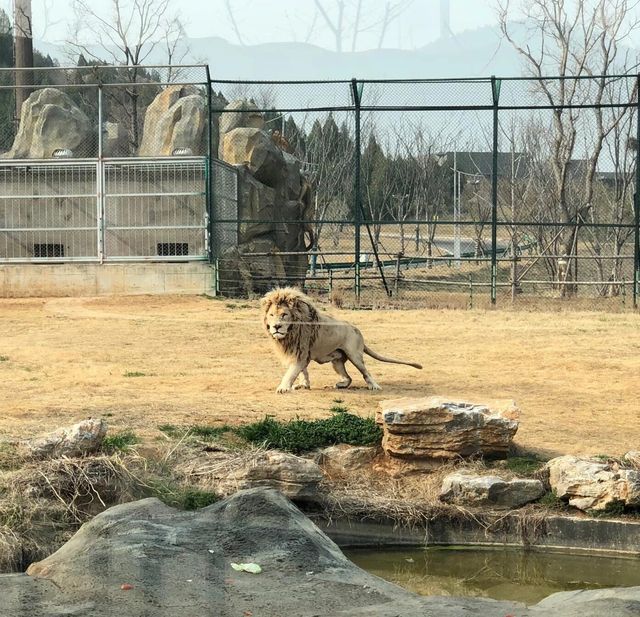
<point>290,320</point>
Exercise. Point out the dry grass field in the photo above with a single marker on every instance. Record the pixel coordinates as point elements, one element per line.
<point>144,361</point>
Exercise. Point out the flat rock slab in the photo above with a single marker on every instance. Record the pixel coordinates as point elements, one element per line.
<point>179,563</point>
<point>436,428</point>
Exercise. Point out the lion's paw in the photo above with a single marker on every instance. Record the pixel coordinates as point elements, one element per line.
<point>282,390</point>
<point>374,386</point>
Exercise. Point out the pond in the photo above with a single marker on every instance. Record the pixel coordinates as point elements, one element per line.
<point>500,573</point>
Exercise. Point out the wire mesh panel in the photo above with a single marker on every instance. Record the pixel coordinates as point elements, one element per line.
<point>48,212</point>
<point>224,211</point>
<point>155,209</point>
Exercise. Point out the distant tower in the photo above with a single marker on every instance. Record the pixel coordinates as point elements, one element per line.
<point>445,19</point>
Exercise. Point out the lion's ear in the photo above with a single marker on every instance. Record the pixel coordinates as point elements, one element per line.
<point>265,303</point>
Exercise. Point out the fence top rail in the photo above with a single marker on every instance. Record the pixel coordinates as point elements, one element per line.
<point>92,161</point>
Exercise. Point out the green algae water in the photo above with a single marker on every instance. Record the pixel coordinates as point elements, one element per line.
<point>499,573</point>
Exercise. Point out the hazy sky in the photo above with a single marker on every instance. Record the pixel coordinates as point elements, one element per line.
<point>266,21</point>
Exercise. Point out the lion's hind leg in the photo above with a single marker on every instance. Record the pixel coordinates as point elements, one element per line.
<point>357,359</point>
<point>339,367</point>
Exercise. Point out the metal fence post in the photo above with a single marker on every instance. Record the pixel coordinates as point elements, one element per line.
<point>100,180</point>
<point>495,92</point>
<point>636,205</point>
<point>357,189</point>
<point>209,188</point>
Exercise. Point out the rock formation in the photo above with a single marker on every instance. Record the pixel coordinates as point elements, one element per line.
<point>176,120</point>
<point>274,203</point>
<point>50,121</point>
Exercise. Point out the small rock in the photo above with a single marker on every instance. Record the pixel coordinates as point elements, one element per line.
<point>293,476</point>
<point>82,438</point>
<point>344,458</point>
<point>468,489</point>
<point>633,458</point>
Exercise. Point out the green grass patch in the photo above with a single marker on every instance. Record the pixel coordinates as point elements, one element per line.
<point>119,442</point>
<point>182,497</point>
<point>552,501</point>
<point>203,432</point>
<point>523,465</point>
<point>615,508</point>
<point>4,358</point>
<point>134,374</point>
<point>299,436</point>
<point>338,408</point>
<point>9,458</point>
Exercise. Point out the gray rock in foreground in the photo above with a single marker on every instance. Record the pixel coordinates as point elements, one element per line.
<point>179,563</point>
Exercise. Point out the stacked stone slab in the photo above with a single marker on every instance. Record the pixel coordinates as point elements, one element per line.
<point>274,203</point>
<point>432,430</point>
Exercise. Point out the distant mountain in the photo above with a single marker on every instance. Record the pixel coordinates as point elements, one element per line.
<point>474,53</point>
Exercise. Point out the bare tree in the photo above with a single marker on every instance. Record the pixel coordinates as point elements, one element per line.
<point>346,18</point>
<point>234,23</point>
<point>574,41</point>
<point>126,35</point>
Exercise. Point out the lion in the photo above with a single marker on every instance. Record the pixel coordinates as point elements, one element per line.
<point>300,333</point>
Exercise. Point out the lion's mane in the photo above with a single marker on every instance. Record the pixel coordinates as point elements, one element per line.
<point>303,332</point>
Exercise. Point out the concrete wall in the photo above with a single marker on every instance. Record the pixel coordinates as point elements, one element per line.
<point>70,279</point>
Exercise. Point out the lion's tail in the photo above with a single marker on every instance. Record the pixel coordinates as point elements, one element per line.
<point>373,354</point>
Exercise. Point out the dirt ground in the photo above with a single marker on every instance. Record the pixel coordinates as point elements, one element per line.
<point>144,361</point>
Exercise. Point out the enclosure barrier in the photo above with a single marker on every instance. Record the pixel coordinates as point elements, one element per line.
<point>428,192</point>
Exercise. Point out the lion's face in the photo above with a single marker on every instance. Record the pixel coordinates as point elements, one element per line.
<point>278,320</point>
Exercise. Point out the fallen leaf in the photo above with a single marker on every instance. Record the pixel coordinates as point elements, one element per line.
<point>126,587</point>
<point>254,568</point>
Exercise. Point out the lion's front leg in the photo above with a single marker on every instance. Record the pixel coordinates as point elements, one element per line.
<point>303,382</point>
<point>290,376</point>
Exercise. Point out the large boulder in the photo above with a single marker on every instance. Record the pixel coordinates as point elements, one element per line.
<point>176,119</point>
<point>593,485</point>
<point>144,558</point>
<point>254,148</point>
<point>468,489</point>
<point>432,429</point>
<point>50,121</point>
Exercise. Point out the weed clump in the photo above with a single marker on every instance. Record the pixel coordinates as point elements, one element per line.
<point>299,436</point>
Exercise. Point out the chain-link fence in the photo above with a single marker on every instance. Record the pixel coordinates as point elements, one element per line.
<point>453,193</point>
<point>447,193</point>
